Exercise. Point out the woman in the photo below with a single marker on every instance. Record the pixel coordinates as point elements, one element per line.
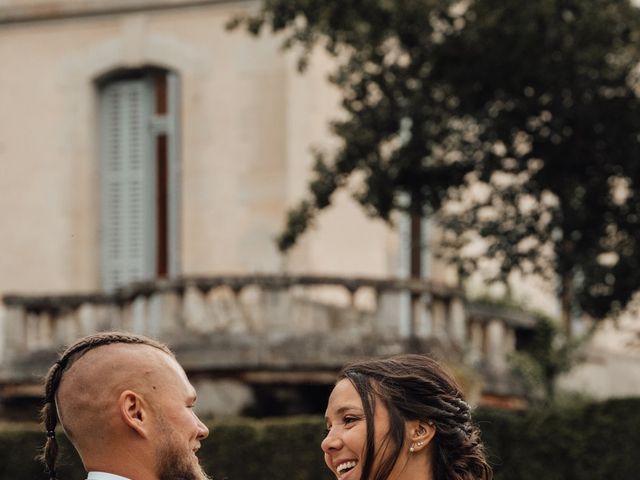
<point>402,418</point>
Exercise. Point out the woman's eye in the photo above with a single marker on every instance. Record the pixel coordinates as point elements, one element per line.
<point>348,420</point>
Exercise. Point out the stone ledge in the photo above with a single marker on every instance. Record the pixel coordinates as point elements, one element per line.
<point>42,10</point>
<point>236,283</point>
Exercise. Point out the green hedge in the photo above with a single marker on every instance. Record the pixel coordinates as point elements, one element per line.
<point>585,442</point>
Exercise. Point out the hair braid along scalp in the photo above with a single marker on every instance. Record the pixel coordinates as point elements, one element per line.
<point>49,413</point>
<point>415,387</point>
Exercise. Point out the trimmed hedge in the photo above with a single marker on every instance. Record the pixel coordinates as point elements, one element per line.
<point>592,441</point>
<point>583,442</point>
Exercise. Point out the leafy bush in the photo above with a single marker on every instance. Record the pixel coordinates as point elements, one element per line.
<point>586,441</point>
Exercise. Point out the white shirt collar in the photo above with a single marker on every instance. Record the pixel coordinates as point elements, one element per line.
<point>104,476</point>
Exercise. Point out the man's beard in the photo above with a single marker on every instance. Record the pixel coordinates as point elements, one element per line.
<point>174,463</point>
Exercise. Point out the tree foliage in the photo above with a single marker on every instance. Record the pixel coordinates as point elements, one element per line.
<point>551,84</point>
<point>523,112</point>
<point>400,129</point>
<point>548,354</point>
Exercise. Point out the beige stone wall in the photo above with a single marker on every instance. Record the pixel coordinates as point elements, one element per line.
<point>248,121</point>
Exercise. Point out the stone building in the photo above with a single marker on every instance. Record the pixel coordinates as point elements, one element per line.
<point>140,141</point>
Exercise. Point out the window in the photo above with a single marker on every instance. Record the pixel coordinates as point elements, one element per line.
<point>139,176</point>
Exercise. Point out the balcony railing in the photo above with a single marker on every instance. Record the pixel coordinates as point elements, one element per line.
<point>264,322</point>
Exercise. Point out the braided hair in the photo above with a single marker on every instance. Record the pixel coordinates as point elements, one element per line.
<point>415,387</point>
<point>49,412</point>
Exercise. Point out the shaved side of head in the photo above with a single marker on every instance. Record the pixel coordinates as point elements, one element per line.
<point>87,398</point>
<point>82,384</point>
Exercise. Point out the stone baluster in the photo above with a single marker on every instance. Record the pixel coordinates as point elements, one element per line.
<point>118,316</point>
<point>88,319</point>
<point>476,342</point>
<point>45,333</point>
<point>194,309</point>
<point>439,317</point>
<point>233,316</point>
<point>386,324</point>
<point>277,306</point>
<point>495,345</point>
<point>422,318</point>
<point>509,341</point>
<point>139,314</point>
<point>155,306</point>
<point>171,318</point>
<point>3,332</point>
<point>457,321</point>
<point>248,300</point>
<point>15,333</point>
<point>217,319</point>
<point>69,320</point>
<point>31,322</point>
<point>64,326</point>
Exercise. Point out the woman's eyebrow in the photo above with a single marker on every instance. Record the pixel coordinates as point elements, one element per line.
<point>343,409</point>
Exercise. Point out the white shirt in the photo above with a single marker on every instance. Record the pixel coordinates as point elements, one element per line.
<point>104,476</point>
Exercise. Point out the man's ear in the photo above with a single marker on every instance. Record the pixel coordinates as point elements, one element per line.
<point>134,412</point>
<point>420,435</point>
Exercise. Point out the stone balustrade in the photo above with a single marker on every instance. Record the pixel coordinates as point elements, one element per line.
<point>264,322</point>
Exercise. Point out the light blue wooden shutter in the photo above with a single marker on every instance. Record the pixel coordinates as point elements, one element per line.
<point>128,183</point>
<point>173,138</point>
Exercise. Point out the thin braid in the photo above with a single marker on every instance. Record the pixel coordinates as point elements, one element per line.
<point>49,412</point>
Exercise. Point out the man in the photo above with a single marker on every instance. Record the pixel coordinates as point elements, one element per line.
<point>127,406</point>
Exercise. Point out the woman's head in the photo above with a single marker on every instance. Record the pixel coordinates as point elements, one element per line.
<point>401,418</point>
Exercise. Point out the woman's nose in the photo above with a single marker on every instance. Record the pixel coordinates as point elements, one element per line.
<point>331,442</point>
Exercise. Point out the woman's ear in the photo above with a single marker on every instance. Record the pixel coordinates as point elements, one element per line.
<point>420,435</point>
<point>134,412</point>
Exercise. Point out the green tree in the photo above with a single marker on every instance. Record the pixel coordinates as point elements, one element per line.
<point>548,354</point>
<point>551,84</point>
<point>400,129</point>
<point>533,100</point>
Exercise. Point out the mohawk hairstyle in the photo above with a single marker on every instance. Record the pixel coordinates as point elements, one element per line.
<point>49,412</point>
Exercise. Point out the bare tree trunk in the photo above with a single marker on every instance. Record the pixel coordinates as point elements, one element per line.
<point>415,272</point>
<point>416,246</point>
<point>566,301</point>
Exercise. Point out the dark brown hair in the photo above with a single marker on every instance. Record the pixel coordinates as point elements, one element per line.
<point>49,414</point>
<point>415,387</point>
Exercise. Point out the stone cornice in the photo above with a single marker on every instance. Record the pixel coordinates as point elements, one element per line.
<point>44,10</point>
<point>236,283</point>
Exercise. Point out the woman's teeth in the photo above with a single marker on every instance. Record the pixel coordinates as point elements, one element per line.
<point>343,467</point>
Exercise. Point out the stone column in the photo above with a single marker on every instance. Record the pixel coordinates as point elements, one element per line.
<point>457,321</point>
<point>276,305</point>
<point>476,342</point>
<point>15,341</point>
<point>139,314</point>
<point>497,358</point>
<point>423,323</point>
<point>170,315</point>
<point>439,318</point>
<point>509,340</point>
<point>87,319</point>
<point>387,321</point>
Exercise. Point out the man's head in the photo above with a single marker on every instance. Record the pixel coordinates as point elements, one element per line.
<point>126,405</point>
